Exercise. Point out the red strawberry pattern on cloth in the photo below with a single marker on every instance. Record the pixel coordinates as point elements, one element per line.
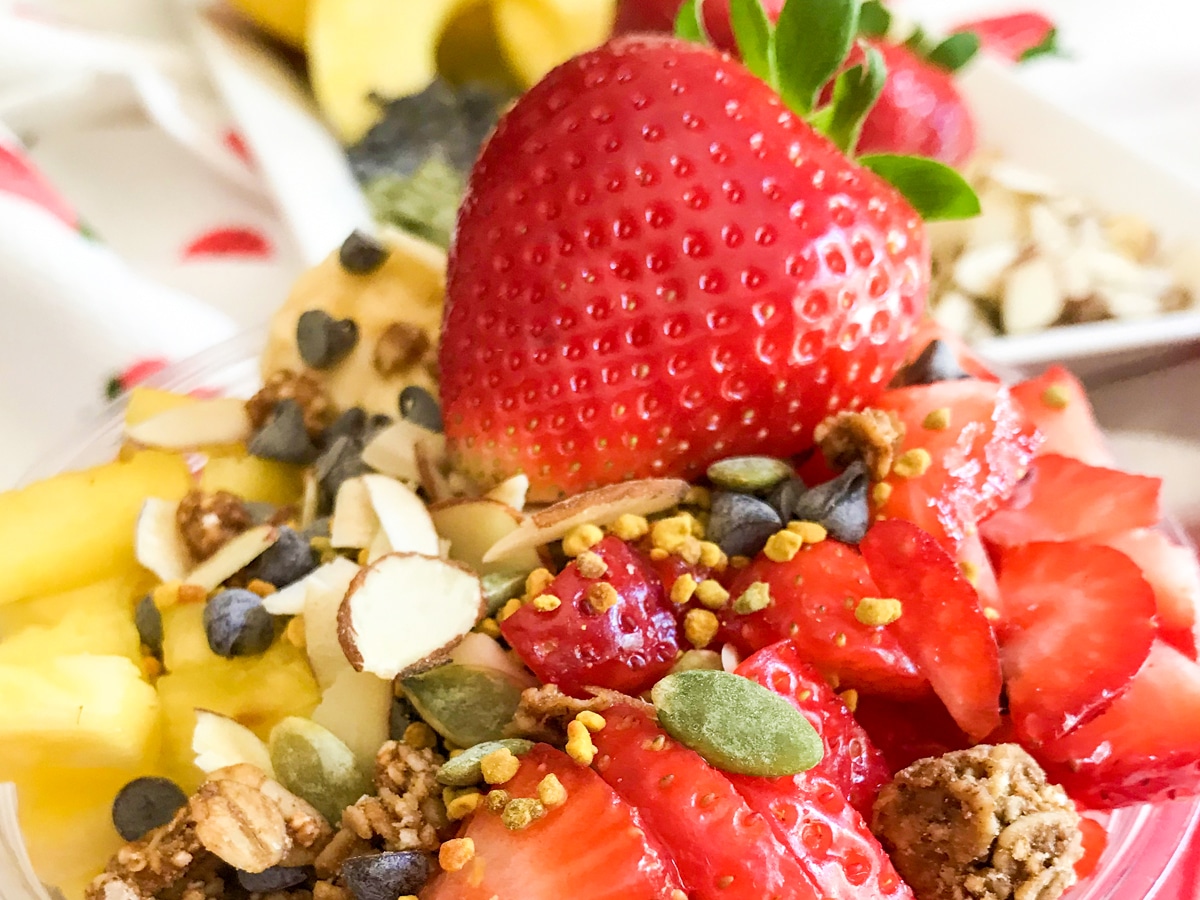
<point>19,176</point>
<point>230,241</point>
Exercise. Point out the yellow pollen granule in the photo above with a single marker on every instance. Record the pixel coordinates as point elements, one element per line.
<point>839,639</point>
<point>878,610</point>
<point>991,614</point>
<point>700,626</point>
<point>629,527</point>
<point>969,570</point>
<point>295,632</point>
<point>364,556</point>
<point>913,463</point>
<point>192,593</point>
<point>658,554</point>
<point>455,854</point>
<point>591,720</point>
<point>881,493</point>
<point>711,595</point>
<point>579,743</point>
<point>166,594</point>
<point>420,736</point>
<point>455,753</point>
<point>783,546</point>
<point>551,791</point>
<point>602,596</point>
<point>497,800</point>
<point>591,565</point>
<point>689,550</point>
<point>262,588</point>
<point>499,766</point>
<point>546,603</point>
<point>757,596</point>
<point>698,496</point>
<point>670,534</point>
<point>522,812</point>
<point>151,667</point>
<point>712,556</point>
<point>463,805</point>
<point>1056,396</point>
<point>937,419</point>
<point>739,562</point>
<point>490,627</point>
<point>508,609</point>
<point>683,588</point>
<point>809,532</point>
<point>580,538</point>
<point>537,581</point>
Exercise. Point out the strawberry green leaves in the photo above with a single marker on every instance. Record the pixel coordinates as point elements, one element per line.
<point>752,30</point>
<point>955,51</point>
<point>688,25</point>
<point>854,93</point>
<point>812,38</point>
<point>874,19</point>
<point>934,190</point>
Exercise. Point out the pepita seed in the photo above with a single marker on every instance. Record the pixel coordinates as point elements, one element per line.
<point>464,770</point>
<point>749,474</point>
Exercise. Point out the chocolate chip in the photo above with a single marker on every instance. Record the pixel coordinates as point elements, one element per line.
<point>276,878</point>
<point>386,876</point>
<point>937,362</point>
<point>839,505</point>
<point>144,804</point>
<point>339,463</point>
<point>418,406</point>
<point>324,341</point>
<point>740,524</point>
<point>784,496</point>
<point>361,254</point>
<point>284,437</point>
<point>286,561</point>
<point>148,619</point>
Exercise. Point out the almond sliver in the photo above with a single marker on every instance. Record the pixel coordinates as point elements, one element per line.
<point>205,423</point>
<point>233,557</point>
<point>158,544</point>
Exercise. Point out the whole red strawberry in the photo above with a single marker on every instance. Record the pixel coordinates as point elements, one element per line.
<point>657,264</point>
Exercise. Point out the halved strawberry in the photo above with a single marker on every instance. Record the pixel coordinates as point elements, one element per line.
<point>625,646</point>
<point>941,624</point>
<point>930,330</point>
<point>851,762</point>
<point>979,448</point>
<point>826,833</point>
<point>592,847</point>
<point>1063,499</point>
<point>1145,747</point>
<point>908,730</point>
<point>1057,404</point>
<point>1174,574</point>
<point>1079,621</point>
<point>813,599</point>
<point>724,850</point>
<point>1015,37</point>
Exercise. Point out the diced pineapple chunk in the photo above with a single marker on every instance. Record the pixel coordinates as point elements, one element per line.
<point>251,478</point>
<point>257,691</point>
<point>185,643</point>
<point>79,711</point>
<point>146,403</point>
<point>113,596</point>
<point>77,528</point>
<point>106,632</point>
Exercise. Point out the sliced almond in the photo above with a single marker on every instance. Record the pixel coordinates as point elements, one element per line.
<point>1050,233</point>
<point>402,516</point>
<point>394,450</point>
<point>321,604</point>
<point>356,708</point>
<point>1033,299</point>
<point>482,652</point>
<point>730,658</point>
<point>354,523</point>
<point>979,271</point>
<point>473,527</point>
<point>599,507</point>
<point>1001,219</point>
<point>292,600</point>
<point>380,546</point>
<point>405,610</point>
<point>310,499</point>
<point>158,544</point>
<point>960,314</point>
<point>434,480</point>
<point>219,741</point>
<point>233,557</point>
<point>205,423</point>
<point>511,491</point>
<point>1020,180</point>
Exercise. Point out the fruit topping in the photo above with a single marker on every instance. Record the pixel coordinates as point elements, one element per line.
<point>941,623</point>
<point>979,822</point>
<point>736,724</point>
<point>236,624</point>
<point>144,804</point>
<point>1055,402</point>
<point>614,629</point>
<point>1067,601</point>
<point>386,876</point>
<point>406,610</point>
<point>314,764</point>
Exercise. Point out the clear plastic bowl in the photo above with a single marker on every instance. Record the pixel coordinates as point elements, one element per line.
<point>1147,844</point>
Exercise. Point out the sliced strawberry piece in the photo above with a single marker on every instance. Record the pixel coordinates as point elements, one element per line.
<point>1058,405</point>
<point>851,762</point>
<point>1079,621</point>
<point>1145,747</point>
<point>813,599</point>
<point>942,624</point>
<point>908,730</point>
<point>592,847</point>
<point>975,460</point>
<point>975,563</point>
<point>626,647</point>
<point>1015,37</point>
<point>724,850</point>
<point>1174,574</point>
<point>826,833</point>
<point>930,330</point>
<point>1095,839</point>
<point>1066,500</point>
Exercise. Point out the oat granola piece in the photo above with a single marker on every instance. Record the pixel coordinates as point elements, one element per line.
<point>979,824</point>
<point>304,388</point>
<point>207,522</point>
<point>872,435</point>
<point>545,711</point>
<point>406,813</point>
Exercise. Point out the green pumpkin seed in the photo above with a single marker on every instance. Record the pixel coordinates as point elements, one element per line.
<point>467,705</point>
<point>500,587</point>
<point>464,770</point>
<point>316,765</point>
<point>749,474</point>
<point>735,724</point>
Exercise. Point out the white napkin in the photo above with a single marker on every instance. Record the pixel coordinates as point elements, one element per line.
<point>108,123</point>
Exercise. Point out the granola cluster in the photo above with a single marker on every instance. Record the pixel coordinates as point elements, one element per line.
<point>304,388</point>
<point>872,435</point>
<point>207,522</point>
